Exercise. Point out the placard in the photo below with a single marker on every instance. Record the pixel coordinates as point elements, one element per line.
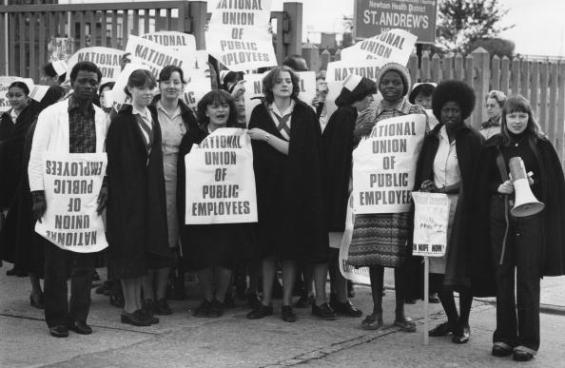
<point>220,181</point>
<point>238,34</point>
<point>72,185</point>
<point>431,216</point>
<point>393,45</point>
<point>384,165</point>
<point>107,59</point>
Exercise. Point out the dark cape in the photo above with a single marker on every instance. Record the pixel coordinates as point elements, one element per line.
<point>290,195</point>
<point>337,143</point>
<point>552,194</point>
<point>136,212</point>
<point>211,245</point>
<point>21,245</point>
<point>12,137</point>
<point>463,269</point>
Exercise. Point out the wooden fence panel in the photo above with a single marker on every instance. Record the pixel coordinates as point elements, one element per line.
<point>553,83</point>
<point>560,129</point>
<point>543,96</point>
<point>495,73</point>
<point>525,79</point>
<point>505,75</point>
<point>535,88</point>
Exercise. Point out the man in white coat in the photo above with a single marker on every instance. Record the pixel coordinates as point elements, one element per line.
<point>74,125</point>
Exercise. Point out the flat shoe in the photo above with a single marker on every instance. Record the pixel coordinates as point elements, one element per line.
<point>287,314</point>
<point>81,328</point>
<point>346,309</point>
<point>372,322</point>
<point>261,312</point>
<point>406,325</point>
<point>498,350</point>
<point>443,329</point>
<point>462,335</point>
<point>59,331</point>
<point>137,318</point>
<point>37,301</point>
<point>520,355</point>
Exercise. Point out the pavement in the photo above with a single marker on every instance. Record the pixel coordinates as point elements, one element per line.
<point>183,341</point>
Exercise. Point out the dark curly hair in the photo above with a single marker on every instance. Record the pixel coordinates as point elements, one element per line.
<point>86,66</point>
<point>453,91</point>
<point>216,97</point>
<point>271,79</point>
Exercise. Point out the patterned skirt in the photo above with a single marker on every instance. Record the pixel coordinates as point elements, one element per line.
<point>380,240</point>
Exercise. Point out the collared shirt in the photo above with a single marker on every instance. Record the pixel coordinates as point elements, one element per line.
<point>172,129</point>
<point>276,114</point>
<point>82,129</point>
<point>14,116</point>
<point>446,165</point>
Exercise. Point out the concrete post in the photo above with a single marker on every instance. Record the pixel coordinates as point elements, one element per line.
<point>198,17</point>
<point>293,39</point>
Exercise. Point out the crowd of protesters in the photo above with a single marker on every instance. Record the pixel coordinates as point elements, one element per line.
<point>303,167</point>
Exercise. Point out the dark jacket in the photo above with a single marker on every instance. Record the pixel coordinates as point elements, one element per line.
<point>337,141</point>
<point>289,188</point>
<point>136,214</point>
<point>461,267</point>
<point>12,137</point>
<point>551,193</point>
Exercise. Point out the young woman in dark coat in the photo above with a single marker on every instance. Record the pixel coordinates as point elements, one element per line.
<point>532,246</point>
<point>287,162</point>
<point>448,163</point>
<point>355,96</point>
<point>136,213</point>
<point>212,250</point>
<point>14,125</point>
<point>26,249</point>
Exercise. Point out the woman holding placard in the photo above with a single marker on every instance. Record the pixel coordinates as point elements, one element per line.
<point>530,244</point>
<point>137,217</point>
<point>448,163</point>
<point>175,119</point>
<point>287,162</point>
<point>380,240</point>
<point>212,249</point>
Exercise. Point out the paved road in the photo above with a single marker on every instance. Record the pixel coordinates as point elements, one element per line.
<point>233,341</point>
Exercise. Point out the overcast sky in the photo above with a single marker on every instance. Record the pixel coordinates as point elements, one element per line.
<point>539,24</point>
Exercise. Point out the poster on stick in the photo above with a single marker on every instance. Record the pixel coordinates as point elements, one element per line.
<point>394,45</point>
<point>106,58</point>
<point>220,182</point>
<point>153,55</point>
<point>384,165</point>
<point>238,34</point>
<point>431,216</point>
<point>72,185</point>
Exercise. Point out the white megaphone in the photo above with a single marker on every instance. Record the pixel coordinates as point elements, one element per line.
<point>525,203</point>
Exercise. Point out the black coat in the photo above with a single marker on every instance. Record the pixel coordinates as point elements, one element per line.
<point>462,268</point>
<point>289,189</point>
<point>205,246</point>
<point>551,193</point>
<point>337,142</point>
<point>136,213</point>
<point>186,113</point>
<point>12,137</point>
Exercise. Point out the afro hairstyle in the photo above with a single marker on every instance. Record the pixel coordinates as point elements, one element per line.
<point>453,91</point>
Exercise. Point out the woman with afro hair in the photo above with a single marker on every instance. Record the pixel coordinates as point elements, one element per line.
<point>448,163</point>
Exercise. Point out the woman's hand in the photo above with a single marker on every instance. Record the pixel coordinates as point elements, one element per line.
<point>506,188</point>
<point>258,134</point>
<point>428,186</point>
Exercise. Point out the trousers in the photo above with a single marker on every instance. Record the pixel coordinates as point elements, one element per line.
<point>517,277</point>
<point>60,265</point>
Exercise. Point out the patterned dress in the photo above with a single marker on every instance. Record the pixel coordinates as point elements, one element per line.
<point>380,239</point>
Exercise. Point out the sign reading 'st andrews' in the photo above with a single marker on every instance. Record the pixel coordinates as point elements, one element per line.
<point>376,16</point>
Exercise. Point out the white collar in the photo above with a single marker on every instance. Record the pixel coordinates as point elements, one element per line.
<point>273,107</point>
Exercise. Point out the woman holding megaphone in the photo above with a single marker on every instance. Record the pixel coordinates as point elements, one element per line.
<point>524,234</point>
